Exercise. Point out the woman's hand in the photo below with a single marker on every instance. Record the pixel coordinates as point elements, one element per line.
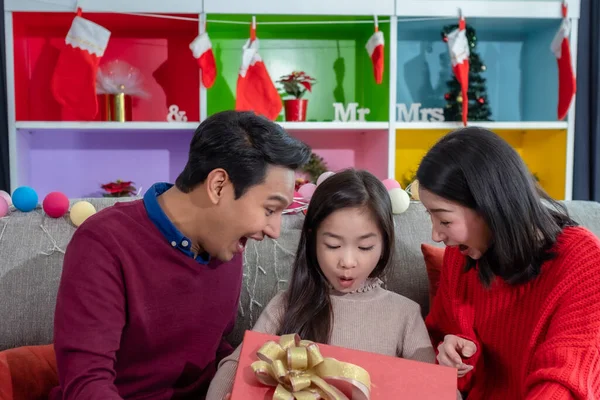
<point>451,351</point>
<point>227,396</point>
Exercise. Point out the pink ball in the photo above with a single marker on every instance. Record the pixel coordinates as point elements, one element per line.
<point>6,197</point>
<point>391,184</point>
<point>3,207</point>
<point>324,176</point>
<point>56,204</point>
<point>307,190</point>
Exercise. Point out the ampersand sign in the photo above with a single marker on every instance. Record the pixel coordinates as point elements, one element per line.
<point>176,115</point>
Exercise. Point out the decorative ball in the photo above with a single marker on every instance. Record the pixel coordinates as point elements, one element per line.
<point>6,197</point>
<point>400,200</point>
<point>25,199</point>
<point>307,190</point>
<point>483,67</point>
<point>324,176</point>
<point>3,207</point>
<point>481,100</point>
<point>459,98</point>
<point>81,211</point>
<point>391,184</point>
<point>414,190</point>
<point>56,204</point>
<point>447,96</point>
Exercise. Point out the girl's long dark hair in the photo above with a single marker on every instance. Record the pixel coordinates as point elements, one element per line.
<point>478,169</point>
<point>307,303</point>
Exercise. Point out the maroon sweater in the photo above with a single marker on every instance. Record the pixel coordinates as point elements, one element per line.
<point>137,317</point>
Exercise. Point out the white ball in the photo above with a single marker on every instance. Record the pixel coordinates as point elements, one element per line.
<point>81,211</point>
<point>400,200</point>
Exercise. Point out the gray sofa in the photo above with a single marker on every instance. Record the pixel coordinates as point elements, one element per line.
<point>32,248</point>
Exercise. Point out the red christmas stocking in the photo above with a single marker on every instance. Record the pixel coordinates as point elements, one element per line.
<point>459,55</point>
<point>202,49</point>
<point>74,78</point>
<point>375,49</point>
<point>255,89</point>
<point>567,84</point>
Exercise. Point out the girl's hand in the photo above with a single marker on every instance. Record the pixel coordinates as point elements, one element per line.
<point>451,351</point>
<point>227,396</point>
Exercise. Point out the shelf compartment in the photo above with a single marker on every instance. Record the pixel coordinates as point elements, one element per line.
<point>78,161</point>
<point>340,149</point>
<point>543,150</point>
<point>334,54</point>
<point>521,71</point>
<point>158,47</point>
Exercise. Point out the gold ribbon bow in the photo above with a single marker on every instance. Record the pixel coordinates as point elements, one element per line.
<point>299,371</point>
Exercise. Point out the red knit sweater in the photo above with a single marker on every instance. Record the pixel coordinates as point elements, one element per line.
<point>540,340</point>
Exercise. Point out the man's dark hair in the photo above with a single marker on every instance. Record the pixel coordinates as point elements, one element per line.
<point>243,144</point>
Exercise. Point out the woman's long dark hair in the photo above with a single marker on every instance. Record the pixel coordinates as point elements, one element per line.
<point>478,169</point>
<point>307,304</point>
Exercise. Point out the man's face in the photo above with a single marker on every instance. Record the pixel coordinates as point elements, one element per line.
<point>254,215</point>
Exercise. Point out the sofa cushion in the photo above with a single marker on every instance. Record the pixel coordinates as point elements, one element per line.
<point>27,373</point>
<point>434,259</point>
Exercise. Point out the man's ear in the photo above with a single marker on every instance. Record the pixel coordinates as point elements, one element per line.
<point>216,181</point>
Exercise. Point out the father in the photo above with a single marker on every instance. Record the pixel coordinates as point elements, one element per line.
<point>150,287</point>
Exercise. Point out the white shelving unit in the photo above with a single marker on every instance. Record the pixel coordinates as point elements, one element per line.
<point>397,12</point>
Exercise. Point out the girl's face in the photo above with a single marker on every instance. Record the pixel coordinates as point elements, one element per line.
<point>456,225</point>
<point>349,246</point>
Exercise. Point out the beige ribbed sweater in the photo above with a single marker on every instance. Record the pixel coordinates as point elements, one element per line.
<point>370,319</point>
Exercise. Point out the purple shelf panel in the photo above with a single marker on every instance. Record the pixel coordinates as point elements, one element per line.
<point>78,162</point>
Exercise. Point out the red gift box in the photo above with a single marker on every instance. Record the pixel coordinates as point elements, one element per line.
<point>390,377</point>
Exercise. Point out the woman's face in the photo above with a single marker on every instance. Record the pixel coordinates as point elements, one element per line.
<point>456,225</point>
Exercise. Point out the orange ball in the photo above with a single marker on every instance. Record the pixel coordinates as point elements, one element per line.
<point>56,204</point>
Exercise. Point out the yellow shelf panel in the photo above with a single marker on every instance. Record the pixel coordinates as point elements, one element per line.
<point>543,150</point>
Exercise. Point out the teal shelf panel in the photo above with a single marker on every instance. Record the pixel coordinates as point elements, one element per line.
<point>521,71</point>
<point>334,54</point>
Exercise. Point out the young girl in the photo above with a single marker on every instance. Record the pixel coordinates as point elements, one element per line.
<point>335,295</point>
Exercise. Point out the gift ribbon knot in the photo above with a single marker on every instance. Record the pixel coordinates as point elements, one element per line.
<point>298,371</point>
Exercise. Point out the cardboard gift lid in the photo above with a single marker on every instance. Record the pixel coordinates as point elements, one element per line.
<point>391,377</point>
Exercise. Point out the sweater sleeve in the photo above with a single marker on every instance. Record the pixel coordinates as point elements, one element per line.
<point>89,319</point>
<point>453,314</point>
<point>268,322</point>
<point>566,365</point>
<point>414,343</point>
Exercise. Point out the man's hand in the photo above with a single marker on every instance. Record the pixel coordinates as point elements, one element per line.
<point>452,350</point>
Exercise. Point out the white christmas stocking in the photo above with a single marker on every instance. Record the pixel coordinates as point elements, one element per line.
<point>202,49</point>
<point>74,78</point>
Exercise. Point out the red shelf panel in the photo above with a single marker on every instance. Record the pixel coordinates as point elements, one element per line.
<point>158,47</point>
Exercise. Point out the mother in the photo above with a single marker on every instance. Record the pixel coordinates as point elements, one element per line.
<point>518,307</point>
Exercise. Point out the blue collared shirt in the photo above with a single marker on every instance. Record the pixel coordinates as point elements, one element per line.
<point>164,224</point>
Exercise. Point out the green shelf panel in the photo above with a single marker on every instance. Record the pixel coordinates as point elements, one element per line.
<point>334,54</point>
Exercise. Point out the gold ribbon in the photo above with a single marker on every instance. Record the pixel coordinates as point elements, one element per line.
<point>299,371</point>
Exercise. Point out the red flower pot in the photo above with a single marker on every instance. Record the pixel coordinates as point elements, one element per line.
<point>295,109</point>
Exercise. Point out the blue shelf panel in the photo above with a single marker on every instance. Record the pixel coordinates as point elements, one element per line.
<point>521,70</point>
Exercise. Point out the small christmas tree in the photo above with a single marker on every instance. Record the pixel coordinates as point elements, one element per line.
<point>479,109</point>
